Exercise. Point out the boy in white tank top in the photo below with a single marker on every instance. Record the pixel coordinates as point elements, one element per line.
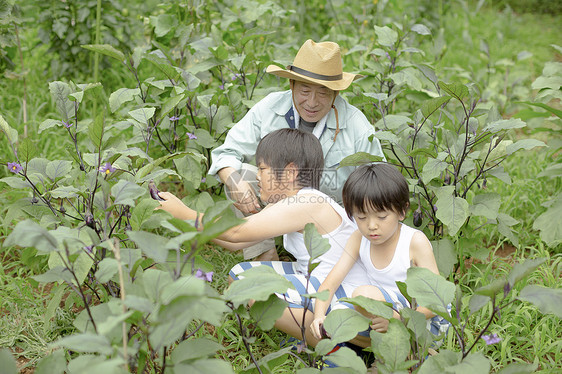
<point>376,196</point>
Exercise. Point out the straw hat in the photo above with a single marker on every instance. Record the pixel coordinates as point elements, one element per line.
<point>318,63</point>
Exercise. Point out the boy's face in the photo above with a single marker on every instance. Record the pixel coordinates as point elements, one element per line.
<point>312,101</point>
<point>272,189</point>
<point>379,227</point>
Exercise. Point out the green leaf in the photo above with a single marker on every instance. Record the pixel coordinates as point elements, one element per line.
<point>315,243</point>
<point>7,362</point>
<point>519,368</point>
<point>142,115</point>
<point>523,144</point>
<point>65,192</point>
<point>473,363</point>
<point>152,245</point>
<point>189,168</point>
<point>504,124</point>
<point>388,136</point>
<point>59,92</point>
<point>195,348</point>
<point>521,270</point>
<point>344,324</point>
<point>372,306</point>
<point>122,95</point>
<point>163,65</point>
<point>90,364</point>
<point>433,169</point>
<point>125,192</point>
<point>456,89</point>
<point>393,346</point>
<point>359,158</point>
<point>548,300</point>
<point>386,36</point>
<point>265,313</point>
<point>430,290</point>
<point>143,215</point>
<point>204,366</point>
<point>169,104</point>
<point>440,362</point>
<point>550,224</point>
<point>163,24</point>
<point>477,302</point>
<point>421,29</point>
<point>85,342</point>
<point>445,255</point>
<point>54,363</point>
<point>47,124</point>
<point>106,49</point>
<point>552,110</point>
<point>58,169</point>
<point>184,286</point>
<point>154,281</point>
<point>431,105</point>
<point>30,234</point>
<point>417,323</point>
<point>95,131</point>
<point>451,210</point>
<point>257,283</point>
<point>107,268</point>
<point>492,289</point>
<point>486,205</point>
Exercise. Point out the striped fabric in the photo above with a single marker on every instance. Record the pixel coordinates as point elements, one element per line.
<point>299,281</point>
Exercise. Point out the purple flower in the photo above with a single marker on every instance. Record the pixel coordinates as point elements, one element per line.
<point>67,125</point>
<point>14,167</point>
<point>221,86</point>
<point>191,136</point>
<point>491,339</point>
<point>204,276</point>
<point>89,249</point>
<point>236,76</point>
<point>174,118</point>
<point>107,168</point>
<point>203,180</point>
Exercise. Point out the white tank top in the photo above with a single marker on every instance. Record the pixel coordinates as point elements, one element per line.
<point>396,270</point>
<point>294,244</point>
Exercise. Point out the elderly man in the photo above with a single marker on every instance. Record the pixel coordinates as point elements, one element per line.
<point>312,104</point>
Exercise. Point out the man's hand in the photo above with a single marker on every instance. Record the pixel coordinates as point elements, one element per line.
<point>240,191</point>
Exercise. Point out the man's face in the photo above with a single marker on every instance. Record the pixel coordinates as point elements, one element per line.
<point>312,100</point>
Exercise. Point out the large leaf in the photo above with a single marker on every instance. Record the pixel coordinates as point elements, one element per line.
<point>504,124</point>
<point>30,234</point>
<point>445,255</point>
<point>126,192</point>
<point>195,348</point>
<point>550,224</point>
<point>257,283</point>
<point>142,115</point>
<point>524,144</point>
<point>90,364</point>
<point>265,313</point>
<point>59,92</point>
<point>11,133</point>
<point>153,246</point>
<point>315,243</point>
<point>451,210</point>
<point>106,49</point>
<point>86,342</point>
<point>473,363</point>
<point>430,290</point>
<point>7,362</point>
<point>440,362</point>
<point>548,300</point>
<point>204,366</point>
<point>486,205</point>
<point>54,363</point>
<point>359,158</point>
<point>343,324</point>
<point>58,169</point>
<point>431,105</point>
<point>122,95</point>
<point>372,306</point>
<point>95,131</point>
<point>433,168</point>
<point>393,346</point>
<point>386,36</point>
<point>521,270</point>
<point>456,89</point>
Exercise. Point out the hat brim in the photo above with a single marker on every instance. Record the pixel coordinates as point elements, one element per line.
<point>339,85</point>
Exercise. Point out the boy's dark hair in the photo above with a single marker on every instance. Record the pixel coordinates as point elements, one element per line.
<point>376,186</point>
<point>282,147</point>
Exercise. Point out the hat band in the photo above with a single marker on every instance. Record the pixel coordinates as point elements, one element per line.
<point>314,75</point>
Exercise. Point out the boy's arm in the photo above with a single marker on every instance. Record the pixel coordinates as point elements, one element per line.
<point>333,281</point>
<point>234,247</point>
<point>422,256</point>
<point>276,219</point>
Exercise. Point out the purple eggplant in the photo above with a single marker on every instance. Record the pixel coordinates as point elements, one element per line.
<point>154,191</point>
<point>323,332</point>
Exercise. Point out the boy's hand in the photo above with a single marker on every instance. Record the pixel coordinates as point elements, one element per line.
<point>379,324</point>
<point>317,328</point>
<point>244,197</point>
<point>174,206</point>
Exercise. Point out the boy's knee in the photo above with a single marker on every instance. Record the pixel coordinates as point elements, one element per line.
<point>371,292</point>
